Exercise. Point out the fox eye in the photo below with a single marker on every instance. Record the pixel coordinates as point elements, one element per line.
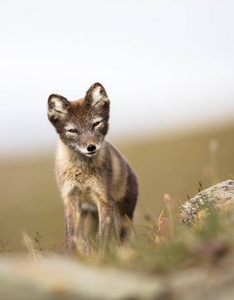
<point>96,124</point>
<point>73,130</point>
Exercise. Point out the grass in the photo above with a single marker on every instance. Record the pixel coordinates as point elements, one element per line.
<point>163,246</point>
<point>174,166</point>
<point>177,247</point>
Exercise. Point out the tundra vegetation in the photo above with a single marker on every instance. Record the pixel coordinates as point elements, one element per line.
<point>171,171</point>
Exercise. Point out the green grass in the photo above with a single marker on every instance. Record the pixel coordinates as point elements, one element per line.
<point>30,199</point>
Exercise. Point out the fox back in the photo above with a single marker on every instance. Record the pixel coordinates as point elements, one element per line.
<point>95,180</point>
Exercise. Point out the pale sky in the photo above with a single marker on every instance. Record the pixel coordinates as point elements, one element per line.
<point>165,64</point>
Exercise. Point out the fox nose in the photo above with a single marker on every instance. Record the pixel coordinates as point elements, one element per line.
<point>91,148</point>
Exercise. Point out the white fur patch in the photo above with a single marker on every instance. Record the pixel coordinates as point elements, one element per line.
<point>97,95</point>
<point>58,106</point>
<point>97,120</point>
<point>70,126</point>
<point>89,206</point>
<point>81,149</point>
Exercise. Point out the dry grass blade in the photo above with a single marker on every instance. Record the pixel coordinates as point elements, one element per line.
<point>179,200</point>
<point>33,254</point>
<point>150,212</point>
<point>133,228</point>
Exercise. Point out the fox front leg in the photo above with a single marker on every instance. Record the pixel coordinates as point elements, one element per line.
<point>72,223</point>
<point>106,212</point>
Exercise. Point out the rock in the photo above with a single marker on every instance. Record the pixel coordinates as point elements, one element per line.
<point>60,278</point>
<point>203,283</point>
<point>66,279</point>
<point>219,197</point>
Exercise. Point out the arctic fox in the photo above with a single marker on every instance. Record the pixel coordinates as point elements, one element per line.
<point>93,177</point>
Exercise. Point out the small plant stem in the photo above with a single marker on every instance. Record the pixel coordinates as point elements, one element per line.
<point>167,201</point>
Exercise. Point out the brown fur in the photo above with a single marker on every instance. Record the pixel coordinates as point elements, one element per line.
<point>102,182</point>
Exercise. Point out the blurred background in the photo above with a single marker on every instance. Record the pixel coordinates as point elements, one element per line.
<point>168,68</point>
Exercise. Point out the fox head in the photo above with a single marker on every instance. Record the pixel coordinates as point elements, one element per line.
<point>82,124</point>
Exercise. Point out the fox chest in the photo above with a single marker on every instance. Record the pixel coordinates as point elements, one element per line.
<point>84,184</point>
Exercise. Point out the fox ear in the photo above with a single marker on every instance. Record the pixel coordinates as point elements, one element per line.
<point>96,95</point>
<point>57,107</point>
